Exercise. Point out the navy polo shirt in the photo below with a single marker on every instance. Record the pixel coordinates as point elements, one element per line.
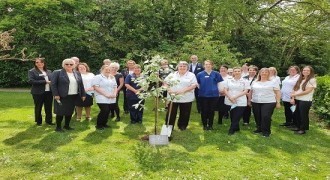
<point>130,80</point>
<point>208,84</point>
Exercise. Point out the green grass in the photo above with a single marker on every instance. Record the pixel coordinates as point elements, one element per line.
<point>31,152</point>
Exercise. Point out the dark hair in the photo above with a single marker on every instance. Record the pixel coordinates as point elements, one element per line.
<point>301,78</point>
<point>295,67</point>
<point>83,64</point>
<point>225,66</point>
<point>253,67</point>
<point>41,60</point>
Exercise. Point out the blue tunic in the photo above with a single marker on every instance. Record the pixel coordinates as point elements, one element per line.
<point>208,84</point>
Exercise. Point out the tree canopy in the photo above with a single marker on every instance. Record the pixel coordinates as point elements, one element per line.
<point>265,33</point>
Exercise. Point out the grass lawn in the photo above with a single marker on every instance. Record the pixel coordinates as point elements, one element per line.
<point>31,152</point>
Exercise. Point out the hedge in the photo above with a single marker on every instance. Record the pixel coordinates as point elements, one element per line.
<point>322,98</point>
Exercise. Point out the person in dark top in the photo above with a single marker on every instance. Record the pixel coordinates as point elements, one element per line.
<point>196,67</point>
<point>114,67</point>
<point>125,72</point>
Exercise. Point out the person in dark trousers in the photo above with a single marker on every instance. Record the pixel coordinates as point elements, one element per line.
<point>302,97</point>
<point>67,86</point>
<point>253,70</point>
<point>125,72</point>
<point>196,67</point>
<point>105,95</point>
<point>114,67</point>
<point>264,96</point>
<point>235,90</point>
<point>286,90</point>
<point>39,78</point>
<point>133,89</point>
<point>222,109</point>
<point>181,85</point>
<point>208,81</point>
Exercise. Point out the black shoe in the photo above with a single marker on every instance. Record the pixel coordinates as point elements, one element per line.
<point>39,124</point>
<point>182,128</point>
<point>99,127</point>
<point>300,132</point>
<point>126,112</point>
<point>51,123</point>
<point>106,126</point>
<point>210,128</point>
<point>294,129</point>
<point>220,122</point>
<point>205,128</point>
<point>118,119</point>
<point>68,128</point>
<point>257,131</point>
<point>59,130</point>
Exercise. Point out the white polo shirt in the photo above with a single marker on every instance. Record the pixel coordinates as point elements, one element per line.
<point>235,87</point>
<point>87,80</point>
<point>309,96</point>
<point>263,92</point>
<point>287,87</point>
<point>109,85</point>
<point>177,82</point>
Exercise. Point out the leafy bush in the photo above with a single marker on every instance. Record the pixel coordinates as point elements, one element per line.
<point>322,98</point>
<point>14,73</point>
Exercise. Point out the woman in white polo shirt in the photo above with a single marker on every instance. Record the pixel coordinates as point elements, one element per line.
<point>105,87</point>
<point>286,90</point>
<point>235,90</point>
<point>302,96</point>
<point>265,96</point>
<point>181,85</point>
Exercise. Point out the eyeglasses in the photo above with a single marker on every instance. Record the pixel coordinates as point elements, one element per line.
<point>69,64</point>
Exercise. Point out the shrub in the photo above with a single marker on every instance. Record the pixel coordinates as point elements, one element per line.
<point>14,73</point>
<point>322,98</point>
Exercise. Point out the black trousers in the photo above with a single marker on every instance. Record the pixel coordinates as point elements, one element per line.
<point>208,106</point>
<point>222,108</point>
<point>184,116</point>
<point>136,114</point>
<point>116,108</point>
<point>301,114</point>
<point>288,113</point>
<point>198,104</point>
<point>235,115</point>
<point>102,117</point>
<point>46,100</point>
<point>247,114</point>
<point>262,114</point>
<point>125,104</point>
<point>59,119</point>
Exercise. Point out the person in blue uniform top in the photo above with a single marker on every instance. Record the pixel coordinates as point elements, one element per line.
<point>196,67</point>
<point>133,89</point>
<point>67,87</point>
<point>208,93</point>
<point>39,78</point>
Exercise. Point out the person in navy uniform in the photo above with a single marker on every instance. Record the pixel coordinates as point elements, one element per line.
<point>67,86</point>
<point>196,67</point>
<point>125,72</point>
<point>208,81</point>
<point>39,78</point>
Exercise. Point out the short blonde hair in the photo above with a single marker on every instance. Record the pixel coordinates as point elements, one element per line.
<point>114,64</point>
<point>273,69</point>
<point>68,60</point>
<point>182,63</point>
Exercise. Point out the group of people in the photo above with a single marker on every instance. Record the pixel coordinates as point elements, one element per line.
<point>237,94</point>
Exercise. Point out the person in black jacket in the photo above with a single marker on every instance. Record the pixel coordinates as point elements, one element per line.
<point>196,67</point>
<point>39,77</point>
<point>67,86</point>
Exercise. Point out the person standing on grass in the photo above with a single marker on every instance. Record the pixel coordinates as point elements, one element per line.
<point>264,97</point>
<point>208,93</point>
<point>222,110</point>
<point>133,89</point>
<point>273,75</point>
<point>235,90</point>
<point>67,87</point>
<point>105,87</point>
<point>253,70</point>
<point>181,84</point>
<point>196,67</point>
<point>125,72</point>
<point>286,90</point>
<point>39,78</point>
<point>87,77</point>
<point>114,67</point>
<point>302,97</point>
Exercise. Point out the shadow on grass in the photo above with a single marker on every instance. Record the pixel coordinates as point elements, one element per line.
<point>54,140</point>
<point>97,136</point>
<point>133,131</point>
